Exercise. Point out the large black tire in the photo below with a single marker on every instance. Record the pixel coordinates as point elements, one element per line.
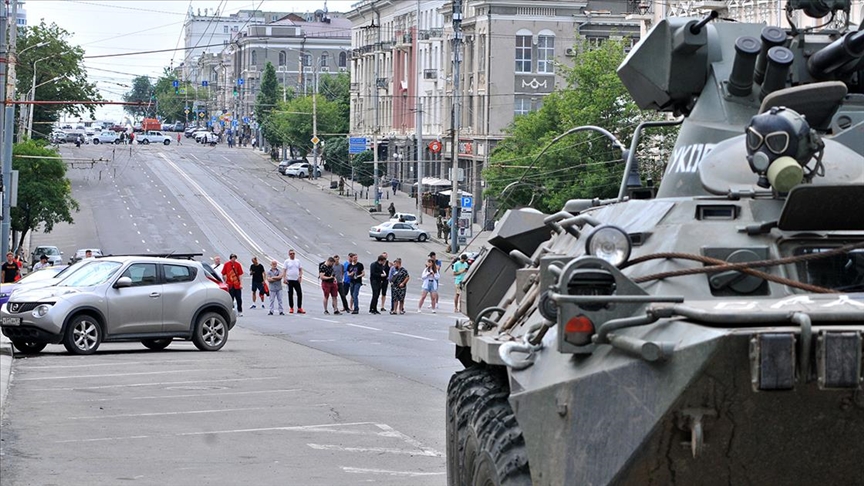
<point>117,142</point>
<point>211,332</point>
<point>156,344</point>
<point>167,142</point>
<point>83,335</point>
<point>95,141</point>
<point>484,442</point>
<point>26,347</point>
<point>146,141</point>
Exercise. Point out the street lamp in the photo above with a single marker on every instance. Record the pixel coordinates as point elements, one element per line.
<point>33,96</point>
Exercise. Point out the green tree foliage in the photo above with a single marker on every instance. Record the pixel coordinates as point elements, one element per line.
<point>142,91</point>
<point>169,102</point>
<point>338,90</point>
<point>44,192</point>
<point>364,173</point>
<point>581,165</point>
<point>55,59</point>
<point>267,98</point>
<point>336,155</point>
<point>291,124</point>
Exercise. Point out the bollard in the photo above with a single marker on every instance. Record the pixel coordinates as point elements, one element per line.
<point>355,197</point>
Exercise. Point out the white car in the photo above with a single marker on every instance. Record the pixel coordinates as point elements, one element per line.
<point>405,218</point>
<point>206,137</point>
<point>301,169</point>
<point>107,136</point>
<point>394,230</point>
<point>153,136</point>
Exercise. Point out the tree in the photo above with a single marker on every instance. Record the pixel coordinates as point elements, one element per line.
<point>60,66</point>
<point>291,124</point>
<point>582,165</point>
<point>363,168</point>
<point>267,98</point>
<point>142,91</point>
<point>44,192</point>
<point>337,157</point>
<point>337,89</point>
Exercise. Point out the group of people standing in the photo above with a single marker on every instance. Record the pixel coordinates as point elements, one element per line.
<point>340,283</point>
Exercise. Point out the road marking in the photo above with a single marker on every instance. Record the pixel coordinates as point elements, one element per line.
<point>312,428</point>
<point>119,374</point>
<point>121,363</point>
<point>360,470</point>
<point>164,383</point>
<point>325,320</point>
<point>158,414</point>
<point>188,395</point>
<point>411,452</point>
<point>322,340</point>
<point>411,336</point>
<point>364,327</point>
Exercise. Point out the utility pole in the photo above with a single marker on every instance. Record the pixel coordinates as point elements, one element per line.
<point>377,182</point>
<point>315,129</point>
<point>455,126</point>
<point>419,120</point>
<point>8,122</point>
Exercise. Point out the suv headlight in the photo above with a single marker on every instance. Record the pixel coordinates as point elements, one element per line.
<point>41,310</point>
<point>610,243</point>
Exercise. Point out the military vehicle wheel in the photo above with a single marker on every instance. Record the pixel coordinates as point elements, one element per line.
<point>26,347</point>
<point>484,442</point>
<point>156,344</point>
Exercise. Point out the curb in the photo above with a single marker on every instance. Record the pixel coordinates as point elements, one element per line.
<point>6,356</point>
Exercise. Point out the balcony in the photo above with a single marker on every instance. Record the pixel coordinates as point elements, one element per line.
<point>403,40</point>
<point>354,87</point>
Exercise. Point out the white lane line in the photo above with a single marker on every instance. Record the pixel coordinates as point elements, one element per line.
<point>411,336</point>
<point>412,474</point>
<point>411,452</point>
<point>119,374</point>
<point>364,327</point>
<point>159,414</point>
<point>322,340</point>
<point>188,395</point>
<point>391,432</point>
<point>325,320</point>
<point>120,363</point>
<point>103,439</point>
<point>164,383</point>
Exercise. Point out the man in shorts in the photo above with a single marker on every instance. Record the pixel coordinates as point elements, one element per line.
<point>329,284</point>
<point>459,270</point>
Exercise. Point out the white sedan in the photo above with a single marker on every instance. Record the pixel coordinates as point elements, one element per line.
<point>107,137</point>
<point>394,230</point>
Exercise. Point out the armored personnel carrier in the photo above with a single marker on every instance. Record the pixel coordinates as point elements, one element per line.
<point>710,333</point>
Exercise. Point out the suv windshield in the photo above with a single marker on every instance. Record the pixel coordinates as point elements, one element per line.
<point>94,273</point>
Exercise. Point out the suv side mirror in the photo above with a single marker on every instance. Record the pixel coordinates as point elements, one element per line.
<point>123,282</point>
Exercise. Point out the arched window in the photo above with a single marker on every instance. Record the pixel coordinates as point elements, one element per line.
<point>254,58</point>
<point>283,58</point>
<point>523,51</point>
<point>343,59</point>
<point>546,52</point>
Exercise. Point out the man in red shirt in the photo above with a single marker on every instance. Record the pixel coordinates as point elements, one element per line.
<point>232,271</point>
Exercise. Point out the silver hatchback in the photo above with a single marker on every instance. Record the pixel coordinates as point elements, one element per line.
<point>147,299</point>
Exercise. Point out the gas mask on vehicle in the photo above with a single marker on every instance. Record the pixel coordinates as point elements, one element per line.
<point>780,144</point>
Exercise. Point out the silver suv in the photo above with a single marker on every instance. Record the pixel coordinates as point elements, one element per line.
<point>131,298</point>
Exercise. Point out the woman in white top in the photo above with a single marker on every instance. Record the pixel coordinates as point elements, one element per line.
<point>430,278</point>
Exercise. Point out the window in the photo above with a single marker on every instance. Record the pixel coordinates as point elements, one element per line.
<point>225,29</point>
<point>283,58</point>
<point>325,59</point>
<point>546,54</point>
<point>254,61</point>
<point>523,53</point>
<point>307,60</point>
<point>178,273</point>
<point>343,60</point>
<point>141,274</point>
<point>522,106</point>
<point>595,42</point>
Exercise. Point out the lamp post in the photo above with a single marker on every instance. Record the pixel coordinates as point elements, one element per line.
<point>33,97</point>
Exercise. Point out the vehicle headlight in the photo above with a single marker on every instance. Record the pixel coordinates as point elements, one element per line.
<point>41,310</point>
<point>4,295</point>
<point>609,243</point>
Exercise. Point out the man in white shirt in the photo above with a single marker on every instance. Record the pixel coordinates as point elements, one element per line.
<point>292,275</point>
<point>217,265</point>
<point>43,263</point>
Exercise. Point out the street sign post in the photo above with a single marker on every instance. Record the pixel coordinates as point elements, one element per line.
<point>465,216</point>
<point>356,145</point>
<point>205,83</point>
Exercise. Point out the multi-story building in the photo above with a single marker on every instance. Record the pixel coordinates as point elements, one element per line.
<point>510,55</point>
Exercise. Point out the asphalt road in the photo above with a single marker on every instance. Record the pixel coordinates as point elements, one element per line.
<point>313,399</point>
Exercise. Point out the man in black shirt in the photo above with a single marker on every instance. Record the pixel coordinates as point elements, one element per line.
<point>356,273</point>
<point>328,284</point>
<point>11,272</point>
<point>377,275</point>
<point>256,270</point>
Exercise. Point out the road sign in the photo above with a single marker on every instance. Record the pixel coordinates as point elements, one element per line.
<point>315,140</point>
<point>239,81</point>
<point>205,83</point>
<point>246,119</point>
<point>201,114</point>
<point>434,146</point>
<point>356,145</point>
<point>182,90</point>
<point>467,202</point>
<point>175,83</point>
<point>234,123</point>
<point>186,111</point>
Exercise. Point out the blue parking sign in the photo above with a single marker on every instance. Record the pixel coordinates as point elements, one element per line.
<point>467,201</point>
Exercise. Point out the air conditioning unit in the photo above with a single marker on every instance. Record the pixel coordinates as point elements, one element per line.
<point>343,69</point>
<point>570,52</point>
<point>430,74</point>
<point>325,69</point>
<point>281,69</point>
<point>253,69</point>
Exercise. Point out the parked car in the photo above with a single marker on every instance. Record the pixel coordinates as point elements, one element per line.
<point>207,137</point>
<point>178,127</point>
<point>404,217</point>
<point>107,137</point>
<point>152,300</point>
<point>190,131</point>
<point>283,166</point>
<point>71,137</point>
<point>394,230</point>
<point>58,137</point>
<point>301,169</point>
<point>82,254</point>
<point>55,256</point>
<point>41,278</point>
<point>153,136</point>
<point>167,127</point>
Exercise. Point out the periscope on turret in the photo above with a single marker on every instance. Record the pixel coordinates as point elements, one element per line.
<point>708,332</point>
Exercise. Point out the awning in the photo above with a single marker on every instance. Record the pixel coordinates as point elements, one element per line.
<point>450,191</point>
<point>434,181</point>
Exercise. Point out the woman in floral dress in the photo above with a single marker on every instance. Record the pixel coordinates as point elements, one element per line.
<point>398,283</point>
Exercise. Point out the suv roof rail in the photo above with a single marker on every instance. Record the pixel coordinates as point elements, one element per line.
<point>178,256</point>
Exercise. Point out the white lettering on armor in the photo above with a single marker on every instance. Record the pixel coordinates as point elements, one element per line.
<point>687,158</point>
<point>844,300</point>
<point>736,305</point>
<point>793,301</point>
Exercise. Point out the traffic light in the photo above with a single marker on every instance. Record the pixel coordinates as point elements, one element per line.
<point>235,91</point>
<point>382,152</point>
